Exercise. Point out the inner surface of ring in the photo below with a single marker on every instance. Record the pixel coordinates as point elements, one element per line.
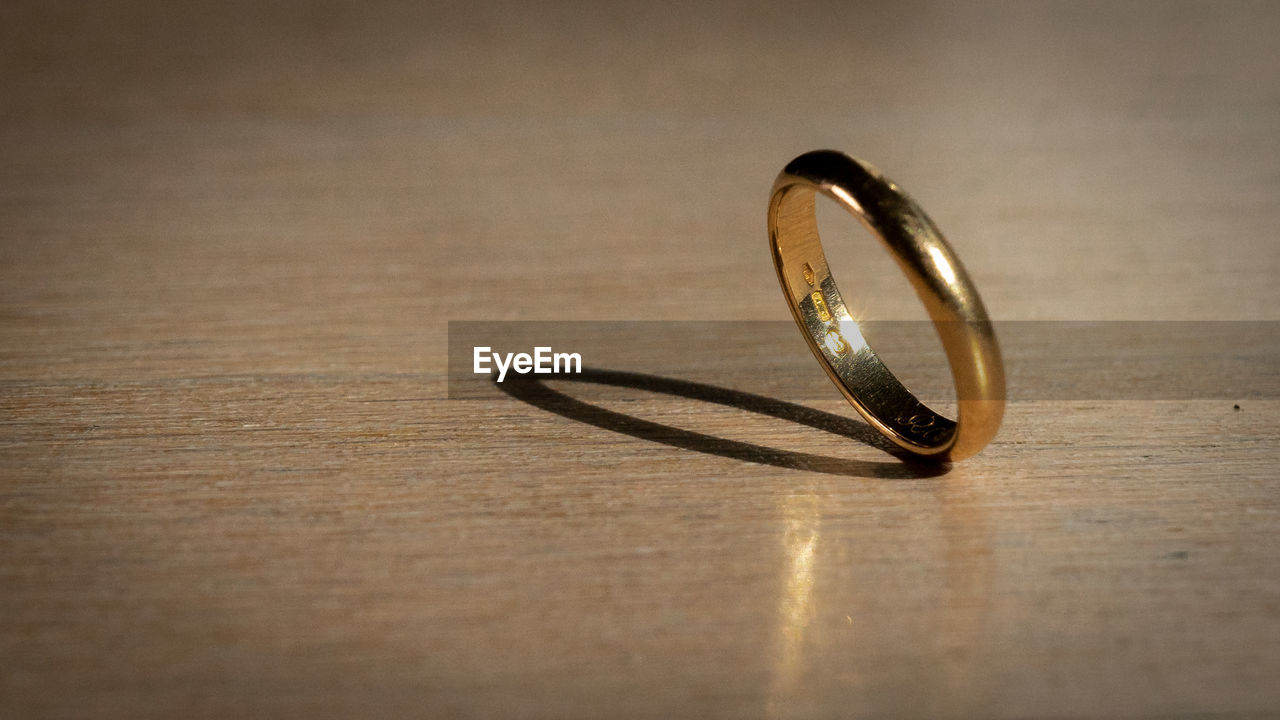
<point>834,335</point>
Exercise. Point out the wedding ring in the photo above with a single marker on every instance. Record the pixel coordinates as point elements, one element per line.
<point>939,280</point>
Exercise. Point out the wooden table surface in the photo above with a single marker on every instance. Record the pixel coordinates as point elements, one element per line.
<point>232,237</point>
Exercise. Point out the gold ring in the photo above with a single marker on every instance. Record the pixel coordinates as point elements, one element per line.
<point>939,280</point>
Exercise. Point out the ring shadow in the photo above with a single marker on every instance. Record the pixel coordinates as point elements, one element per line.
<point>534,391</point>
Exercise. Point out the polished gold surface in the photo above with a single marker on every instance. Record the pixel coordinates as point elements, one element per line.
<point>834,335</point>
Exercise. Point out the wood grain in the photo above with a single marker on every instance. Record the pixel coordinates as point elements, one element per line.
<point>231,482</point>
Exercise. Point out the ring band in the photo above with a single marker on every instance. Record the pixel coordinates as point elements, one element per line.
<point>939,280</point>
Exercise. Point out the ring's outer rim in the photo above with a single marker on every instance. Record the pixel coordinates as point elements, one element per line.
<point>958,314</point>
